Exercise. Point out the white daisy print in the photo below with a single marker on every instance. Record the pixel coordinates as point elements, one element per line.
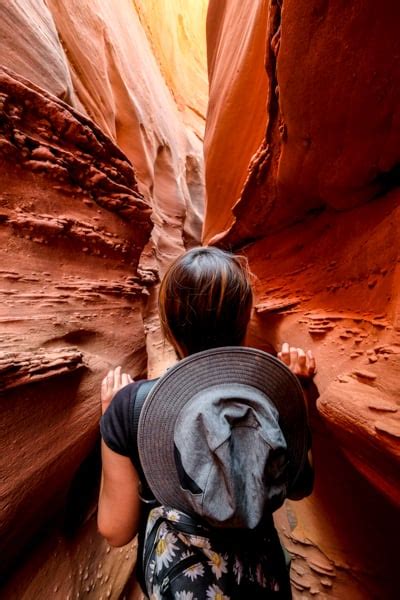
<point>214,593</point>
<point>194,571</point>
<point>174,516</point>
<point>184,596</point>
<point>217,563</point>
<point>165,550</point>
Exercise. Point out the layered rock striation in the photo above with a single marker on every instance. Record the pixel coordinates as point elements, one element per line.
<point>315,207</point>
<point>102,112</point>
<point>72,225</point>
<point>102,185</point>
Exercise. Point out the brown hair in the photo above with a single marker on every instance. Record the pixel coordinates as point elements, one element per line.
<point>205,300</point>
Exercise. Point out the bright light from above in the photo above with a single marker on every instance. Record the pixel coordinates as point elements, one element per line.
<point>177,33</point>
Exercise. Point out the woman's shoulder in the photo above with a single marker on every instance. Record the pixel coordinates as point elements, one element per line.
<point>116,423</point>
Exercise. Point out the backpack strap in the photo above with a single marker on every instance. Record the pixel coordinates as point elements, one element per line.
<point>141,395</point>
<point>147,499</point>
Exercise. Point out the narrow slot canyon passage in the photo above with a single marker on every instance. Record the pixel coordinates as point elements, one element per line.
<point>134,130</point>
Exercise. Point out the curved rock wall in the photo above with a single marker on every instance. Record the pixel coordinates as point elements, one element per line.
<point>332,118</point>
<point>236,117</point>
<point>117,78</point>
<point>316,209</point>
<point>31,47</point>
<point>115,52</point>
<point>101,186</point>
<point>102,108</point>
<point>72,225</point>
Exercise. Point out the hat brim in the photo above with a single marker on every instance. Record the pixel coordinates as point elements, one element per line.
<point>236,364</point>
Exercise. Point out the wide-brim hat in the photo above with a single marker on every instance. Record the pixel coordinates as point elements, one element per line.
<point>223,434</point>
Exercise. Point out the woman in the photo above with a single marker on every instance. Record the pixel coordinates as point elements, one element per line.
<point>205,303</point>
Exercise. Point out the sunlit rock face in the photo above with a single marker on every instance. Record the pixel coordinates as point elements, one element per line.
<point>181,54</point>
<point>116,74</point>
<point>236,118</point>
<point>101,171</point>
<point>31,47</point>
<point>127,62</point>
<point>314,199</point>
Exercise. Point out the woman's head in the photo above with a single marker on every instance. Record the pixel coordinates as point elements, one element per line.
<point>205,300</point>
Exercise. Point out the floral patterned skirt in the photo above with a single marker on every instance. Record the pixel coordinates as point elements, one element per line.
<point>183,560</point>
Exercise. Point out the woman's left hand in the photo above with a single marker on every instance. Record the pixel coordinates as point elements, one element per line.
<point>299,362</point>
<point>111,384</point>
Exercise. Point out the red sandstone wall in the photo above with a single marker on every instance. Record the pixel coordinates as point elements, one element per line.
<point>301,148</point>
<point>319,195</point>
<point>117,78</point>
<point>98,162</point>
<point>72,226</point>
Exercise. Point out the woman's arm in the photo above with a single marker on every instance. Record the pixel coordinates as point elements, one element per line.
<point>119,503</point>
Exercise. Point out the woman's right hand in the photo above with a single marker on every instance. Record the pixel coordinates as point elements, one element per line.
<point>111,384</point>
<point>299,362</point>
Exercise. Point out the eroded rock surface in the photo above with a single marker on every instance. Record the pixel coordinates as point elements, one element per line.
<point>236,117</point>
<point>332,118</point>
<point>181,54</point>
<point>31,47</point>
<point>112,50</point>
<point>72,228</point>
<point>302,160</point>
<point>316,210</point>
<point>100,155</point>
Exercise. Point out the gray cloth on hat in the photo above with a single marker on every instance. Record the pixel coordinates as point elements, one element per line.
<point>231,446</point>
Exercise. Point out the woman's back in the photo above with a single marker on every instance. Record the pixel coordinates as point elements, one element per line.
<point>222,438</point>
